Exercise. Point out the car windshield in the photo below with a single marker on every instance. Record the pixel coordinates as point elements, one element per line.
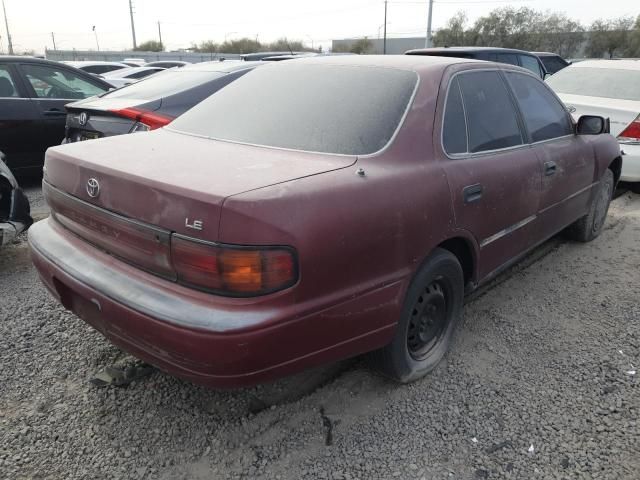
<point>164,84</point>
<point>319,108</point>
<point>597,82</point>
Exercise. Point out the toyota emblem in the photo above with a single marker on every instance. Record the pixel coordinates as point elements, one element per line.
<point>83,118</point>
<point>93,188</point>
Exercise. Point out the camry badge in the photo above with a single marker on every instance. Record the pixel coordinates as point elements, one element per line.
<point>83,118</point>
<point>93,187</point>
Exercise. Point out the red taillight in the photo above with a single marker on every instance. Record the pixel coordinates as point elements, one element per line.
<point>231,270</point>
<point>150,119</point>
<point>631,134</point>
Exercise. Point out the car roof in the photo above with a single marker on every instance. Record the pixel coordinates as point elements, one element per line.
<point>466,49</point>
<point>123,72</point>
<point>546,54</point>
<point>612,64</point>
<point>405,62</point>
<point>86,63</point>
<point>25,58</point>
<point>216,66</point>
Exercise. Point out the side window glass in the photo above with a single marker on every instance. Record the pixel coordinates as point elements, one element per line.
<point>530,64</point>
<point>510,58</point>
<point>544,116</point>
<point>51,82</point>
<point>492,120</point>
<point>454,128</point>
<point>7,87</point>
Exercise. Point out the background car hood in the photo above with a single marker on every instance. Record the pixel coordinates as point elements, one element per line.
<point>164,178</point>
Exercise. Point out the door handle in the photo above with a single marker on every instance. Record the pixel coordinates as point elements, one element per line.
<point>472,193</point>
<point>550,168</point>
<point>54,112</point>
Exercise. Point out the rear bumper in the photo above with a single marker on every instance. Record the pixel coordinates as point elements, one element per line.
<point>630,163</point>
<point>210,340</point>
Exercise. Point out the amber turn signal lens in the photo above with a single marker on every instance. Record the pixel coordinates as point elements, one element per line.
<point>232,270</point>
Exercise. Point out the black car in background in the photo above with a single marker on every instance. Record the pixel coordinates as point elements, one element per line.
<point>552,61</point>
<point>150,103</point>
<point>492,54</point>
<point>33,93</point>
<point>15,212</point>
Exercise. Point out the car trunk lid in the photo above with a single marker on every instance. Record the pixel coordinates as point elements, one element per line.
<point>620,112</point>
<point>99,117</point>
<point>174,181</point>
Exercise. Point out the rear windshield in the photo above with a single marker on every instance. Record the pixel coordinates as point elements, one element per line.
<point>164,84</point>
<point>597,82</point>
<point>318,108</point>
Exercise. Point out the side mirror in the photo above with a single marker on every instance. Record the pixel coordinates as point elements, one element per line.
<point>591,125</point>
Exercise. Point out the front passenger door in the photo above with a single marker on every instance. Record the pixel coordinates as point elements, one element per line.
<point>566,159</point>
<point>52,88</point>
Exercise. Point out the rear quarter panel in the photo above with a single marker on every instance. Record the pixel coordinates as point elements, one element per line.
<point>356,236</point>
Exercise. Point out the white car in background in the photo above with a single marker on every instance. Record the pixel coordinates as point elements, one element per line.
<point>609,88</point>
<point>96,67</point>
<point>125,76</point>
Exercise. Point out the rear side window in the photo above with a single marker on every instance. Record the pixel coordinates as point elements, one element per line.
<point>553,64</point>
<point>164,84</point>
<point>454,128</point>
<point>531,64</point>
<point>509,58</point>
<point>312,107</point>
<point>492,121</point>
<point>544,116</point>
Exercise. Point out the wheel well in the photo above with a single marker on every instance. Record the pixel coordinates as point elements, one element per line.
<point>464,253</point>
<point>616,167</point>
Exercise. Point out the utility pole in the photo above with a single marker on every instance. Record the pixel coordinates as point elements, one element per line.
<point>133,27</point>
<point>53,38</point>
<point>96,35</point>
<point>384,42</point>
<point>427,41</point>
<point>160,33</point>
<point>6,24</point>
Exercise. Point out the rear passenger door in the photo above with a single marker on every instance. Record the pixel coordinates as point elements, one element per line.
<point>566,159</point>
<point>493,175</point>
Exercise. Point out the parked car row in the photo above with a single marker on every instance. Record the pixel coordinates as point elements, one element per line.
<point>312,209</point>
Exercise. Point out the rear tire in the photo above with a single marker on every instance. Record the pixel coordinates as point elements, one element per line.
<point>432,309</point>
<point>590,226</point>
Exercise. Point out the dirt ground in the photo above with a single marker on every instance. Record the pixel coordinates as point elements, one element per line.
<point>540,383</point>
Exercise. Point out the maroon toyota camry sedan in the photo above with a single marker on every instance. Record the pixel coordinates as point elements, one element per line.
<point>318,209</point>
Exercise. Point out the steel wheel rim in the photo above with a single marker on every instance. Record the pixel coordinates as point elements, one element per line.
<point>429,318</point>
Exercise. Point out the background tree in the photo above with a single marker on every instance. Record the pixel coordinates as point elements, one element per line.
<point>150,46</point>
<point>610,37</point>
<point>453,33</point>
<point>361,46</point>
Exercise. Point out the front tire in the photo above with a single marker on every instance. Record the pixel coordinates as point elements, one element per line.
<point>590,226</point>
<point>432,309</point>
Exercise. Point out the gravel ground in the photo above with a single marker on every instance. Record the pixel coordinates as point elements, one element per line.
<point>538,385</point>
